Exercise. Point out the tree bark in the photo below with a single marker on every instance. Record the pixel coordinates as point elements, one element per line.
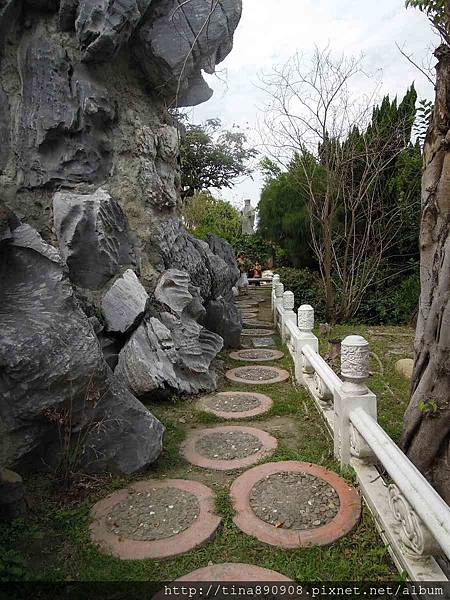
<point>426,433</point>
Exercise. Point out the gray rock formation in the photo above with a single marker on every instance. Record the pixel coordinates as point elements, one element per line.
<point>124,304</point>
<point>55,383</point>
<point>12,496</point>
<point>204,37</point>
<point>89,193</point>
<point>92,231</point>
<point>172,352</point>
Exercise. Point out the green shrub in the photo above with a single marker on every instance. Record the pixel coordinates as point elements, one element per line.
<point>307,288</point>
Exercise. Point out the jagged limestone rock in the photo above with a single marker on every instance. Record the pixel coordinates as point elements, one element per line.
<point>55,383</point>
<point>177,41</point>
<point>64,116</point>
<point>123,305</point>
<point>93,236</point>
<point>172,351</point>
<point>84,120</point>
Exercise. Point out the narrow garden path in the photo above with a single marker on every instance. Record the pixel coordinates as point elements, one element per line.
<point>57,544</point>
<point>247,473</point>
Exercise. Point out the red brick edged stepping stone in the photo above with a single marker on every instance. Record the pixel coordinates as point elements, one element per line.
<point>257,375</point>
<point>256,355</point>
<point>258,332</point>
<point>227,448</point>
<point>226,404</point>
<point>111,531</point>
<point>233,572</point>
<point>242,493</point>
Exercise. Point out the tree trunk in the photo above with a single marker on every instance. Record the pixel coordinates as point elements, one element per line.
<point>426,433</point>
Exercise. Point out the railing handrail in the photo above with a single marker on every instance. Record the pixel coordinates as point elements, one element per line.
<point>322,368</point>
<point>431,508</point>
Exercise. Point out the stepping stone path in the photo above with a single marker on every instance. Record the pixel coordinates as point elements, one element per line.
<point>258,332</point>
<point>286,504</point>
<point>257,355</point>
<point>293,504</point>
<point>227,448</point>
<point>257,375</point>
<point>154,519</point>
<point>233,572</point>
<point>236,405</point>
<point>265,342</point>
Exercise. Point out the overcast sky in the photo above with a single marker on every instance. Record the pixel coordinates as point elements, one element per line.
<point>271,31</point>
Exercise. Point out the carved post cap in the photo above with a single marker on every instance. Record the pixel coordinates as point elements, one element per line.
<point>306,318</point>
<point>279,290</point>
<point>275,279</point>
<point>355,363</point>
<point>288,301</point>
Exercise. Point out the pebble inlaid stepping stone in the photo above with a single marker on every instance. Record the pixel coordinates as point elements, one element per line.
<point>236,405</point>
<point>264,342</point>
<point>227,448</point>
<point>257,375</point>
<point>258,332</point>
<point>154,519</point>
<point>233,572</point>
<point>255,324</point>
<point>292,504</point>
<point>256,355</point>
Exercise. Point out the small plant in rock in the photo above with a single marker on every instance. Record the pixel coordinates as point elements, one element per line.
<point>429,407</point>
<point>75,424</point>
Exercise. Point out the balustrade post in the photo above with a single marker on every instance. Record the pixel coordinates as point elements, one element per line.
<point>275,280</point>
<point>278,302</point>
<point>353,393</point>
<point>288,313</point>
<point>305,324</point>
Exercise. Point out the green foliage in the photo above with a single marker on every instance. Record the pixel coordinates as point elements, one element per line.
<point>256,248</point>
<point>437,11</point>
<point>392,301</point>
<point>307,288</point>
<point>212,157</point>
<point>283,211</point>
<point>203,214</point>
<point>429,407</point>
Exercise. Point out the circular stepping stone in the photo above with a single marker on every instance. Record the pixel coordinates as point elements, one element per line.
<point>257,375</point>
<point>227,448</point>
<point>255,324</point>
<point>256,355</point>
<point>233,572</point>
<point>258,332</point>
<point>236,405</point>
<point>294,504</point>
<point>154,519</point>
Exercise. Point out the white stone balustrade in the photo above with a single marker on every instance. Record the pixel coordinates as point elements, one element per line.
<point>413,519</point>
<point>288,315</point>
<point>353,393</point>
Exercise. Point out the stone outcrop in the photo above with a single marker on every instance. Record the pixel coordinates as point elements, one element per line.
<point>104,297</point>
<point>55,382</point>
<point>124,303</point>
<point>93,237</point>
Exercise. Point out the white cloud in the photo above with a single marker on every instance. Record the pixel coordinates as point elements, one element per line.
<point>272,31</point>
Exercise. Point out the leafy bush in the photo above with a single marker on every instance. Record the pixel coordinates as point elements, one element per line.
<point>393,302</point>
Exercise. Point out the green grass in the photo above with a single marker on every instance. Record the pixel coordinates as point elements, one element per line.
<point>54,543</point>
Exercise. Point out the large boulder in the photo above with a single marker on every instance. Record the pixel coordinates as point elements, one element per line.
<point>177,41</point>
<point>56,386</point>
<point>124,304</point>
<point>64,118</point>
<point>93,236</point>
<point>171,351</point>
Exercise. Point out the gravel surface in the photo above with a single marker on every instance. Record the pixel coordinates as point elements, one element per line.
<point>294,501</point>
<point>263,342</point>
<point>155,515</point>
<point>228,445</point>
<point>233,404</point>
<point>257,332</point>
<point>256,354</point>
<point>256,373</point>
